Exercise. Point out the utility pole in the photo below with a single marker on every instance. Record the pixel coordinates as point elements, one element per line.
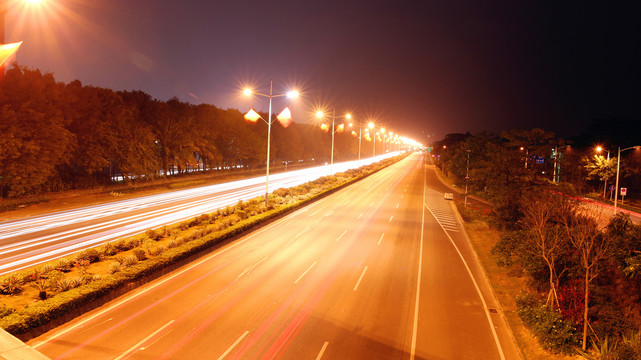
<point>467,174</point>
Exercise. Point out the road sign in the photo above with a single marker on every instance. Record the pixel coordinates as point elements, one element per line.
<point>611,188</point>
<point>624,191</point>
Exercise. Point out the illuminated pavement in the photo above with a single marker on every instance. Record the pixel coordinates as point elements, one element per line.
<point>39,239</point>
<point>378,270</point>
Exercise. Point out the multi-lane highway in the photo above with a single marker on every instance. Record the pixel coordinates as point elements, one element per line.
<point>379,270</point>
<point>34,240</point>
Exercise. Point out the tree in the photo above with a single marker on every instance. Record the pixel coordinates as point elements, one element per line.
<point>593,249</point>
<point>601,168</point>
<point>30,121</point>
<point>546,239</point>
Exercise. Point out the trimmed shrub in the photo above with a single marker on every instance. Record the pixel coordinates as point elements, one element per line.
<point>63,285</point>
<point>554,333</point>
<point>108,249</point>
<point>64,264</point>
<point>130,260</point>
<point>11,284</point>
<point>5,311</point>
<point>114,267</point>
<point>91,255</point>
<point>140,254</point>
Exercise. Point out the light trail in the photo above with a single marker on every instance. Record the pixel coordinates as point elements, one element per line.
<point>28,242</point>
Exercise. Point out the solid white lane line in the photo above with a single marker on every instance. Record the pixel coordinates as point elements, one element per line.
<point>360,278</point>
<point>135,347</point>
<point>306,271</point>
<point>233,345</point>
<point>249,268</point>
<point>381,239</point>
<point>476,286</point>
<point>314,213</point>
<point>322,350</point>
<point>418,278</point>
<point>344,232</point>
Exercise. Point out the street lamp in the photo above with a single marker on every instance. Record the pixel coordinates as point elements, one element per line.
<point>284,117</point>
<point>605,185</point>
<point>340,128</point>
<point>360,137</point>
<point>527,154</point>
<point>616,187</point>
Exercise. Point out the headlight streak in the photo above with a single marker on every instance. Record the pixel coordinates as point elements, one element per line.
<point>26,252</point>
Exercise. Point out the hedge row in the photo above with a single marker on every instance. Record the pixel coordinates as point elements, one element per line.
<point>43,312</point>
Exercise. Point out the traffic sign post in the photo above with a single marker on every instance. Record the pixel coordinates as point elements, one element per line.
<point>624,192</point>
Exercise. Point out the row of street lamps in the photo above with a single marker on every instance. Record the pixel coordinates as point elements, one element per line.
<point>285,119</point>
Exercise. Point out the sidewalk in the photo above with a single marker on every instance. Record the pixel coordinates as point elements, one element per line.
<point>13,349</point>
<point>635,217</point>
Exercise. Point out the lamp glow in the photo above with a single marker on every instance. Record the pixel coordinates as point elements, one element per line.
<point>252,116</point>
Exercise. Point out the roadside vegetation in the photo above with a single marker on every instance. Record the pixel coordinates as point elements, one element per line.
<point>569,272</point>
<point>103,137</point>
<point>37,298</point>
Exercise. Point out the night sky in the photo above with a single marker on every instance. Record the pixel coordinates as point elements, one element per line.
<point>418,67</point>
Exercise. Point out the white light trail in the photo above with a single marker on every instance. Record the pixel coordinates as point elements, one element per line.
<point>38,239</point>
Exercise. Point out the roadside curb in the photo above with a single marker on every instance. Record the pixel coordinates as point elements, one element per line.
<point>11,348</point>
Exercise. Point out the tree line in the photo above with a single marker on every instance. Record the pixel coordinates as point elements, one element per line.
<point>503,167</point>
<point>583,264</point>
<point>59,136</point>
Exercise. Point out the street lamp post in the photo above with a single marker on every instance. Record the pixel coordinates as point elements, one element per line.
<point>360,136</point>
<point>467,174</point>
<point>373,136</point>
<point>616,187</point>
<point>253,116</point>
<point>320,115</point>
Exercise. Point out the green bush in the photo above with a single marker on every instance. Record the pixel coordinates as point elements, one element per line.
<point>184,184</point>
<point>5,311</point>
<point>91,255</point>
<point>554,333</point>
<point>11,284</point>
<point>140,254</point>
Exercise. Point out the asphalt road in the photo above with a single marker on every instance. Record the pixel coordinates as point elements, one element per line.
<point>379,270</point>
<point>34,240</point>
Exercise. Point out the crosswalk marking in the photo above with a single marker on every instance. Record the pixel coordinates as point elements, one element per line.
<point>444,215</point>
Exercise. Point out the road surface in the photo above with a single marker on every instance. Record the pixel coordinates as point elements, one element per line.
<point>379,270</point>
